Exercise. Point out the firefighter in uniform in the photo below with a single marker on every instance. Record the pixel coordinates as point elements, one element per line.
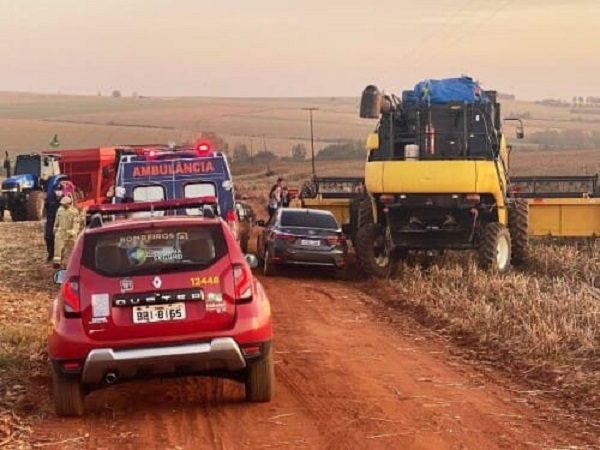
<point>66,227</point>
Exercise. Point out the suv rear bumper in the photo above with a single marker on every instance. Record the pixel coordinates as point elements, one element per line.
<point>218,354</point>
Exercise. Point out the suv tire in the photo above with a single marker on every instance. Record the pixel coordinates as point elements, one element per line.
<point>260,380</point>
<point>68,394</point>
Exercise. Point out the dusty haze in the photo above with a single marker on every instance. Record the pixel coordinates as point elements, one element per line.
<point>535,49</point>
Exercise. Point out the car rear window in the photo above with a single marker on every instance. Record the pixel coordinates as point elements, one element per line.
<point>154,250</point>
<point>308,220</point>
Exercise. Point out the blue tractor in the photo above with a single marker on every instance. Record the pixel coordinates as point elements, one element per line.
<point>24,193</point>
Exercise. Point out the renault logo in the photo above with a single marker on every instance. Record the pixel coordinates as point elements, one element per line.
<point>157,282</point>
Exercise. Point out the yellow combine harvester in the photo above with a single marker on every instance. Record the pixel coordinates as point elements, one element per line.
<point>437,177</point>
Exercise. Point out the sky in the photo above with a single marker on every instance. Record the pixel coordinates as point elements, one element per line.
<point>298,48</point>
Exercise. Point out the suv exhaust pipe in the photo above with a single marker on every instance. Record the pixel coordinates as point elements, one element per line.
<point>110,378</point>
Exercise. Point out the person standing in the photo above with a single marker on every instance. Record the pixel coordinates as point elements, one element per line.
<point>66,227</point>
<point>7,164</point>
<point>52,203</point>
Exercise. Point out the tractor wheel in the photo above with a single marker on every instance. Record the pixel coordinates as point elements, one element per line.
<point>518,224</point>
<point>68,394</point>
<point>494,248</point>
<point>373,258</point>
<point>18,213</point>
<point>260,380</point>
<point>35,206</point>
<point>308,190</point>
<point>365,211</point>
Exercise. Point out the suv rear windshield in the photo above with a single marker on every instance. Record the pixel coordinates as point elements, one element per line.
<point>303,218</point>
<point>155,250</point>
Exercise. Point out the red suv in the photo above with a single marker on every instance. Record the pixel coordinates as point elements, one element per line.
<point>158,297</point>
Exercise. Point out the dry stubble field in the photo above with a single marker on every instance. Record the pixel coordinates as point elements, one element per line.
<point>539,325</point>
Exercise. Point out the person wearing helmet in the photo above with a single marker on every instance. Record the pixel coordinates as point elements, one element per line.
<point>66,227</point>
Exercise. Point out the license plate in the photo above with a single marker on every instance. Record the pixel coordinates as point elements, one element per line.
<point>158,313</point>
<point>310,242</point>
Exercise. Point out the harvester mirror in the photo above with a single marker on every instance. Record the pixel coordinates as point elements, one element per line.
<point>520,132</point>
<point>105,172</point>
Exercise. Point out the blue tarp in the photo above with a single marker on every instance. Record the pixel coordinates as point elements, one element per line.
<point>462,89</point>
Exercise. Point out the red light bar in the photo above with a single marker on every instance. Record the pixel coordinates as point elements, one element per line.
<point>203,147</point>
<point>163,205</point>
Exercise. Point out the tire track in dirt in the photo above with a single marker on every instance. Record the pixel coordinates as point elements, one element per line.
<point>346,379</point>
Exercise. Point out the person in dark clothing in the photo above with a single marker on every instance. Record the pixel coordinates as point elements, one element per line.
<point>52,204</point>
<point>7,164</point>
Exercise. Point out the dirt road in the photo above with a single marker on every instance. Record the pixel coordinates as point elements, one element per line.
<point>347,379</point>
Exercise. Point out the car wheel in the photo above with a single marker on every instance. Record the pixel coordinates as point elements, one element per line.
<point>341,273</point>
<point>68,394</point>
<point>260,380</point>
<point>268,267</point>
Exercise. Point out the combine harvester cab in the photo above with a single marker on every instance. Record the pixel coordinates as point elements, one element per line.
<point>437,178</point>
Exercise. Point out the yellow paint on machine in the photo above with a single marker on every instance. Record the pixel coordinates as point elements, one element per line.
<point>436,177</point>
<point>339,207</point>
<point>564,217</point>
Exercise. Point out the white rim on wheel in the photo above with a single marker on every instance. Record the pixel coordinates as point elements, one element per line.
<point>383,258</point>
<point>502,253</point>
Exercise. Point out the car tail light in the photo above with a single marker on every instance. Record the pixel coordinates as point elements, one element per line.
<point>70,293</point>
<point>285,237</point>
<point>242,277</point>
<point>335,240</point>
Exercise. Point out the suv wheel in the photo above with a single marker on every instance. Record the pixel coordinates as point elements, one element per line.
<point>69,396</point>
<point>260,380</point>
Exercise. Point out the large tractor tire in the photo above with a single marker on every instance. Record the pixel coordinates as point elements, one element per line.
<point>365,211</point>
<point>361,214</point>
<point>494,248</point>
<point>518,224</point>
<point>260,380</point>
<point>68,394</point>
<point>371,254</point>
<point>308,190</point>
<point>18,213</point>
<point>35,206</point>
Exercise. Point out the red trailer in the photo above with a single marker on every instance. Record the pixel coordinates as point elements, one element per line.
<point>91,170</point>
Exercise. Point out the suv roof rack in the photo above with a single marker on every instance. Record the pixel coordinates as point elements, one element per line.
<point>96,213</point>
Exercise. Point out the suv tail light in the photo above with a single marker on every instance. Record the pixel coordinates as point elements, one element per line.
<point>335,240</point>
<point>70,293</point>
<point>242,277</point>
